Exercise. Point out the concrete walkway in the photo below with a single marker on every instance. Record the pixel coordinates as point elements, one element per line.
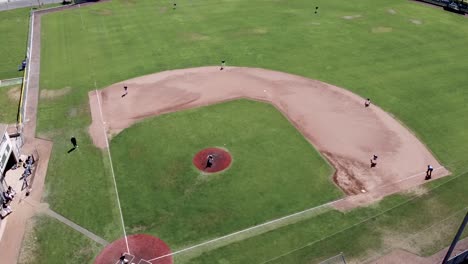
<point>14,4</point>
<point>14,225</point>
<point>78,228</point>
<point>43,208</point>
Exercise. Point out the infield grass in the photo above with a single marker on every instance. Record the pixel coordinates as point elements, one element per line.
<point>275,171</point>
<point>407,57</point>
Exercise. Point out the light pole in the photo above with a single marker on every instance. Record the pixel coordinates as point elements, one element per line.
<point>455,239</point>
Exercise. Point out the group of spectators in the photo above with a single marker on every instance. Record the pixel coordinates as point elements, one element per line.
<point>7,197</point>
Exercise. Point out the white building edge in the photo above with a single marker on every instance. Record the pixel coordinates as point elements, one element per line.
<point>9,154</point>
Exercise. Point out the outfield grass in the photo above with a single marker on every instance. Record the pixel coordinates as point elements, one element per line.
<point>275,171</point>
<point>51,242</point>
<point>14,32</point>
<point>421,225</point>
<point>9,102</point>
<point>409,63</point>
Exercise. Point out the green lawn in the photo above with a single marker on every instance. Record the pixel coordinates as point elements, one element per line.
<point>9,102</point>
<point>275,172</point>
<point>51,242</point>
<point>421,225</point>
<point>14,32</point>
<point>406,56</point>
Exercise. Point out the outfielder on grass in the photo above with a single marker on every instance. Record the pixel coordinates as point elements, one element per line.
<point>73,141</point>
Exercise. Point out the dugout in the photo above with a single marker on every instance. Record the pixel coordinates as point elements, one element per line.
<point>8,157</point>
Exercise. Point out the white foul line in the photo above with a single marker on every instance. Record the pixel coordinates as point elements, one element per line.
<point>276,220</point>
<point>112,170</point>
<point>29,55</point>
<point>248,229</point>
<point>402,180</point>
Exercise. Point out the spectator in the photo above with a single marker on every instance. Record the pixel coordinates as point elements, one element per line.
<point>11,193</point>
<point>6,209</point>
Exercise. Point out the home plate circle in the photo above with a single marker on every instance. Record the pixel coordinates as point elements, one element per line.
<point>144,249</point>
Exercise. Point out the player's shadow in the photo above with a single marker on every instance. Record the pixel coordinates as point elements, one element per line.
<point>71,150</point>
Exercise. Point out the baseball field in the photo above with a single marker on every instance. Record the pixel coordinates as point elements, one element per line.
<point>289,109</point>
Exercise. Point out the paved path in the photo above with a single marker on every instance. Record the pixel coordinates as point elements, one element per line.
<point>44,209</point>
<point>78,228</point>
<point>15,223</point>
<point>14,4</point>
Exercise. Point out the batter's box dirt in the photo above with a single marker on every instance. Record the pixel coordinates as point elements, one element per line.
<point>142,248</point>
<point>129,258</point>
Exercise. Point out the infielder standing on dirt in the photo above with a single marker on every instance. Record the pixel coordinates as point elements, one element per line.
<point>367,103</point>
<point>429,172</point>
<point>373,161</point>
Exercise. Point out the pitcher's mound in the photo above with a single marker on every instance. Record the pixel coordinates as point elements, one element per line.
<point>221,159</point>
<point>143,248</point>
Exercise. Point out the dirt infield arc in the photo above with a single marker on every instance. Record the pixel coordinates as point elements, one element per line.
<point>333,119</point>
<point>142,247</point>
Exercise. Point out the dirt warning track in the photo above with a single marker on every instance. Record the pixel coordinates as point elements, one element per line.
<point>333,119</point>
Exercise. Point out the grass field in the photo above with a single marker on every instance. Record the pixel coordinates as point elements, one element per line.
<point>9,101</point>
<point>42,245</point>
<point>275,172</point>
<point>14,32</point>
<point>403,55</point>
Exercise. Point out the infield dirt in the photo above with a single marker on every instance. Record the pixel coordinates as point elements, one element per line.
<point>333,119</point>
